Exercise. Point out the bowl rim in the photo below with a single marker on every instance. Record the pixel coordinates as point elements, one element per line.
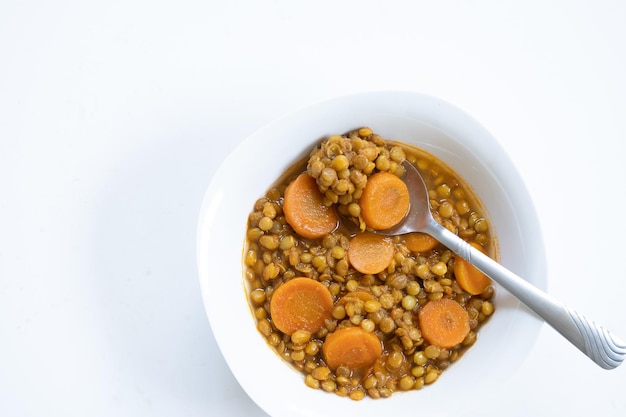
<point>405,105</point>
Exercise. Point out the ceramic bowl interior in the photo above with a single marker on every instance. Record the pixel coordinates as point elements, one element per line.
<point>416,119</point>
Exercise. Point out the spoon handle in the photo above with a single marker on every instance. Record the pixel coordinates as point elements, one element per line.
<point>604,348</point>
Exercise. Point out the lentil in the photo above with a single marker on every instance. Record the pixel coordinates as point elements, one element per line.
<point>409,302</point>
<point>407,382</point>
<point>300,337</point>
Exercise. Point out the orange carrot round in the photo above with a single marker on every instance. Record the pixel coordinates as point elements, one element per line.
<point>420,242</point>
<point>370,253</point>
<point>469,278</point>
<point>305,210</point>
<point>444,322</point>
<point>352,347</point>
<point>300,304</point>
<point>385,201</point>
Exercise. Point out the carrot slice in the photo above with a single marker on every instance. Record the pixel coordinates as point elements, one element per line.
<point>444,322</point>
<point>469,278</point>
<point>385,201</point>
<point>305,210</point>
<point>301,304</point>
<point>370,253</point>
<point>420,242</point>
<point>352,347</point>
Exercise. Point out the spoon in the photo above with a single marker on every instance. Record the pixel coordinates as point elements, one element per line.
<point>604,348</point>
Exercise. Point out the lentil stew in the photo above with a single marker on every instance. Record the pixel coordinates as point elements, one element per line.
<point>360,314</point>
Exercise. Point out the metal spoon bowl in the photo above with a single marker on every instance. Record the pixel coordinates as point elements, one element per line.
<point>604,348</point>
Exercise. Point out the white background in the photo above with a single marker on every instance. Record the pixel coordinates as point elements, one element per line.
<point>115,114</point>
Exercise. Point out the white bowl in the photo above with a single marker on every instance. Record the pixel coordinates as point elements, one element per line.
<point>420,120</point>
